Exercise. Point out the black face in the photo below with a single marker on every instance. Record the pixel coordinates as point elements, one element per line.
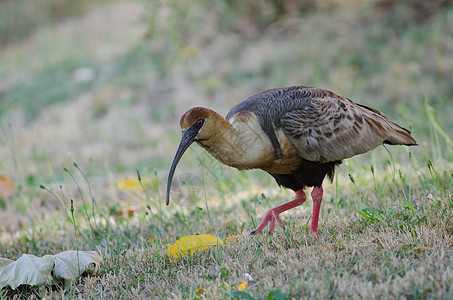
<point>189,135</point>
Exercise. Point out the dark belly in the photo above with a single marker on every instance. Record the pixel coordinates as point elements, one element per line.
<point>308,174</point>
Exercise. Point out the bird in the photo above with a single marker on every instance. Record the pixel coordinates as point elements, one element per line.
<point>297,134</point>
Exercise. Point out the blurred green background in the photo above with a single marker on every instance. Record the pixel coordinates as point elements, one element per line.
<point>104,83</point>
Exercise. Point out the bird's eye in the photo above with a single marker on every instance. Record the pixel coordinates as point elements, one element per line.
<point>199,123</point>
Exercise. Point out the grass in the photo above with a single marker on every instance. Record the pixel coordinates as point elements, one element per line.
<point>386,221</point>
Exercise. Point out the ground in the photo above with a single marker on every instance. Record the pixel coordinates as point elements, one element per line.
<point>88,101</point>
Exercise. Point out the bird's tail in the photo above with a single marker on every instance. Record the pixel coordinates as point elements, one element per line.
<point>398,135</point>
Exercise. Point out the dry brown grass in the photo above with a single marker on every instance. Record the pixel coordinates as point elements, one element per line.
<point>385,235</point>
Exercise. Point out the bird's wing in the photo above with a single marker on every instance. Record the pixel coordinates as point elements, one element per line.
<point>329,128</point>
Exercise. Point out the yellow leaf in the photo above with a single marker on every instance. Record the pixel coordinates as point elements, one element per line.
<point>127,184</point>
<point>243,285</point>
<point>192,243</point>
<point>151,239</point>
<point>200,292</point>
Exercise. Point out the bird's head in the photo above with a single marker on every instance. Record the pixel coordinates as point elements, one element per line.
<point>198,121</point>
<point>196,124</point>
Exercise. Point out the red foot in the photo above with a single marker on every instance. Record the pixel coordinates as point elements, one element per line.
<point>316,195</point>
<point>274,213</point>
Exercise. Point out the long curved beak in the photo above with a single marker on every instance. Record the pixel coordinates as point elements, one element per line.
<point>188,137</point>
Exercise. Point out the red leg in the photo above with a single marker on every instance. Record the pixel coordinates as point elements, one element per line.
<point>273,214</point>
<point>316,195</point>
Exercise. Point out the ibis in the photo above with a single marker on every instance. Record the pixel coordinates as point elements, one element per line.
<point>297,134</point>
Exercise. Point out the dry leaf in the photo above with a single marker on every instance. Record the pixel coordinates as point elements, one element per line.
<point>130,211</point>
<point>70,265</point>
<point>4,262</point>
<point>28,269</point>
<point>192,243</point>
<point>7,187</point>
<point>35,271</point>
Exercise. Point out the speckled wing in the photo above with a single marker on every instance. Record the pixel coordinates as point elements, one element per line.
<point>333,128</point>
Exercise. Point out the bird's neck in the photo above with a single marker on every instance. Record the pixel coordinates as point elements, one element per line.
<point>239,145</point>
<point>222,140</point>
